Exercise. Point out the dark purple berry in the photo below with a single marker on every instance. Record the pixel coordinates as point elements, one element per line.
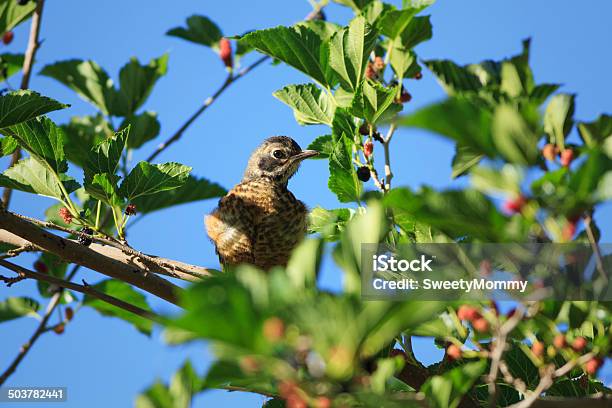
<point>85,236</point>
<point>363,173</point>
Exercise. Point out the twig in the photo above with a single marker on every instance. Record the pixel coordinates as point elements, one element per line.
<point>11,253</point>
<point>85,289</point>
<point>588,223</point>
<point>28,62</point>
<point>387,142</point>
<point>209,101</point>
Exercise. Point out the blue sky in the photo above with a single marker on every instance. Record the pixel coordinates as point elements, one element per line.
<point>105,362</point>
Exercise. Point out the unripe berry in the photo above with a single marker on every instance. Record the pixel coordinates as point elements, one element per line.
<point>481,325</point>
<point>273,329</point>
<point>368,149</point>
<point>548,151</point>
<point>579,344</point>
<point>379,64</point>
<point>363,173</point>
<point>515,205</point>
<point>225,52</point>
<point>559,341</point>
<point>538,349</point>
<point>68,313</point>
<point>130,209</point>
<point>466,312</point>
<point>7,38</point>
<point>41,267</point>
<point>418,75</point>
<point>59,329</point>
<point>593,365</point>
<point>66,215</point>
<point>453,352</point>
<point>567,156</point>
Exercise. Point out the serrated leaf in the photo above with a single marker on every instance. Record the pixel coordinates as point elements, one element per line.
<point>310,104</point>
<point>350,50</point>
<point>125,292</point>
<point>328,223</point>
<point>194,189</point>
<point>448,389</point>
<point>145,179</point>
<point>512,137</point>
<point>43,140</point>
<point>298,46</point>
<point>10,64</point>
<point>324,29</point>
<point>418,30</point>
<point>104,157</point>
<point>559,118</point>
<point>464,159</point>
<point>87,79</point>
<point>200,30</point>
<point>403,61</point>
<point>596,132</point>
<point>104,188</point>
<point>20,106</point>
<point>16,307</point>
<point>343,179</point>
<point>82,134</point>
<point>541,92</point>
<point>375,10</point>
<point>31,176</point>
<point>394,22</point>
<point>373,102</point>
<point>143,127</point>
<point>322,144</point>
<point>454,78</point>
<point>12,14</point>
<point>136,82</point>
<point>8,145</point>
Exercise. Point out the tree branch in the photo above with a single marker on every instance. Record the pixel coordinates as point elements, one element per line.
<point>28,62</point>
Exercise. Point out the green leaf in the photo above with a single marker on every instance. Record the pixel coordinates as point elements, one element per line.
<point>590,178</point>
<point>136,83</point>
<point>512,137</point>
<point>104,157</point>
<point>145,179</point>
<point>310,104</point>
<point>200,30</point>
<point>541,92</point>
<point>447,390</point>
<point>104,188</point>
<point>328,223</point>
<point>375,10</point>
<point>10,64</point>
<point>156,396</point>
<point>394,22</point>
<point>322,144</point>
<point>454,78</point>
<point>354,4</point>
<point>403,61</point>
<point>87,79</point>
<point>8,145</point>
<point>596,132</point>
<point>373,102</point>
<point>16,307</point>
<point>125,292</point>
<point>43,140</point>
<point>82,134</point>
<point>558,118</point>
<point>465,158</point>
<point>298,46</point>
<point>143,127</point>
<point>11,14</point>
<point>350,50</point>
<point>324,29</point>
<point>20,106</point>
<point>418,30</point>
<point>184,385</point>
<point>31,176</point>
<point>343,179</point>
<point>194,189</point>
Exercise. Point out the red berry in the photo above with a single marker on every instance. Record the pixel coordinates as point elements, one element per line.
<point>59,329</point>
<point>559,341</point>
<point>41,267</point>
<point>130,209</point>
<point>593,365</point>
<point>322,402</point>
<point>481,325</point>
<point>453,352</point>
<point>579,344</point>
<point>379,64</point>
<point>370,71</point>
<point>7,38</point>
<point>273,329</point>
<point>538,349</point>
<point>569,230</point>
<point>66,215</point>
<point>368,149</point>
<point>295,401</point>
<point>466,312</point>
<point>567,156</point>
<point>418,75</point>
<point>225,52</point>
<point>515,205</point>
<point>286,388</point>
<point>69,313</point>
<point>548,151</point>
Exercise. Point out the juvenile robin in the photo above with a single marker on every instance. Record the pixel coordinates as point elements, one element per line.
<point>260,221</point>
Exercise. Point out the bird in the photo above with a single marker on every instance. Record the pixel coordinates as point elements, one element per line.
<point>259,221</point>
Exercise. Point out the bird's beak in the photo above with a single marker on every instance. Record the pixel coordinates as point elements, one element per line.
<point>304,154</point>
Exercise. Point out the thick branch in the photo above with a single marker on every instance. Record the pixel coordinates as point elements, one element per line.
<point>28,62</point>
<point>85,289</point>
<point>106,260</point>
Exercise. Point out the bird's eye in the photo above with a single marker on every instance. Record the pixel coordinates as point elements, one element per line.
<point>278,154</point>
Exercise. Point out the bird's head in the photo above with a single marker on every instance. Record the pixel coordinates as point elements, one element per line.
<point>277,158</point>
